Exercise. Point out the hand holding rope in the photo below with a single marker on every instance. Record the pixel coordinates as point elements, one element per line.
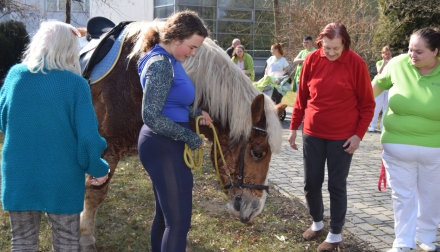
<point>194,158</point>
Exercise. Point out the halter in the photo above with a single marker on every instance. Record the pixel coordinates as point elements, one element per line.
<point>240,177</point>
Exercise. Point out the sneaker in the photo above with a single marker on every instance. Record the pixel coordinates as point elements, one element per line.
<point>371,129</point>
<point>426,246</point>
<point>401,249</point>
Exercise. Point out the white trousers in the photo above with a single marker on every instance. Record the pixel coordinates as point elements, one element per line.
<point>381,105</point>
<point>413,173</point>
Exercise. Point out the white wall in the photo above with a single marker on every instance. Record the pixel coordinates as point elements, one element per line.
<point>117,11</point>
<point>38,13</point>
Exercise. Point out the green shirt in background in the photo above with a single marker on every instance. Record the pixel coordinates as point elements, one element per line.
<point>413,116</point>
<point>301,55</point>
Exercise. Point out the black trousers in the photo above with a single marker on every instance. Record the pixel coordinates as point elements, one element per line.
<point>317,152</point>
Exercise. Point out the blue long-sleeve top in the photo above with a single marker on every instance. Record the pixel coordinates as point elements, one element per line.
<point>168,95</point>
<point>51,141</point>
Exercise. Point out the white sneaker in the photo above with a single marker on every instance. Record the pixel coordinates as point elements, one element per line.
<point>401,249</point>
<point>426,246</point>
<point>371,129</point>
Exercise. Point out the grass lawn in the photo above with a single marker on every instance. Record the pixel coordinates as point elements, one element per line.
<point>124,219</point>
<point>289,98</point>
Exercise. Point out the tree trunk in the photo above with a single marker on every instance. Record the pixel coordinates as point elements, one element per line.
<point>68,10</point>
<point>277,23</point>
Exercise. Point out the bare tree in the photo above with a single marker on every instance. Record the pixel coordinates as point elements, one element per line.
<point>68,11</point>
<point>19,8</point>
<point>300,18</point>
<point>277,20</point>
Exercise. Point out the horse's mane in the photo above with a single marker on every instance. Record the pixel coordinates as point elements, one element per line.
<point>221,87</point>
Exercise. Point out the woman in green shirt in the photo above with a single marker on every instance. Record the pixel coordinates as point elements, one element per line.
<point>411,140</point>
<point>244,61</point>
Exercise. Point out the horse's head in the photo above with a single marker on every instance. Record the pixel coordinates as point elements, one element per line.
<point>247,124</point>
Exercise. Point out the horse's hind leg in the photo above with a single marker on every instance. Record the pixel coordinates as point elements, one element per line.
<point>93,198</point>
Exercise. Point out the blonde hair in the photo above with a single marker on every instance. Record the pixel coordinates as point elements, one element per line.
<point>230,93</point>
<point>54,46</point>
<point>386,48</point>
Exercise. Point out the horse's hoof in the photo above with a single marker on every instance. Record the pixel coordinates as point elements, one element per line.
<point>88,248</point>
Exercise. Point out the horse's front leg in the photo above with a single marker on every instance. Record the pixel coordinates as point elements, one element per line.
<point>93,198</point>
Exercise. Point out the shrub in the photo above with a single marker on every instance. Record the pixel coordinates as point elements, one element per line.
<point>13,39</point>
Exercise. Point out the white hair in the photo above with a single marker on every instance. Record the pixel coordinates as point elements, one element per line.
<point>54,46</point>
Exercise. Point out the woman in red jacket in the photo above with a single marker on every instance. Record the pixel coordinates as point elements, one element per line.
<point>335,103</point>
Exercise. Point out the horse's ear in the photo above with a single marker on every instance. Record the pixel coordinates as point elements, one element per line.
<point>257,109</point>
<point>280,107</point>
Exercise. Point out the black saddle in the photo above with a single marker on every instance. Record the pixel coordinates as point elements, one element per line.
<point>96,26</point>
<point>102,38</point>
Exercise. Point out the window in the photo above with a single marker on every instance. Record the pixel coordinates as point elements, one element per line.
<point>235,27</point>
<point>234,14</point>
<point>204,12</point>
<point>198,2</point>
<point>236,4</point>
<point>76,5</point>
<point>163,2</point>
<point>163,12</point>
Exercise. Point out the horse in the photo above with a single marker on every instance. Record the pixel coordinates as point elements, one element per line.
<point>246,122</point>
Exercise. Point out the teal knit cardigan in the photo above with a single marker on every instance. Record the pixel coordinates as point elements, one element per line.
<point>51,141</point>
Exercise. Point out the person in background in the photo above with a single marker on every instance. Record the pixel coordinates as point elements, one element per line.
<point>335,103</point>
<point>275,74</point>
<point>168,95</point>
<point>382,99</point>
<point>244,61</point>
<point>276,65</point>
<point>411,140</point>
<point>308,48</point>
<point>51,140</point>
<point>236,42</point>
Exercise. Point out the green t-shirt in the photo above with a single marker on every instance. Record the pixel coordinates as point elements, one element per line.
<point>302,54</point>
<point>413,116</point>
<point>378,64</point>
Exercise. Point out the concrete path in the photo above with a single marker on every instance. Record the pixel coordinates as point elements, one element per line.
<point>370,212</point>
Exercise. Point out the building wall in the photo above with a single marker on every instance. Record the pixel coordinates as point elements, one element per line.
<point>117,11</point>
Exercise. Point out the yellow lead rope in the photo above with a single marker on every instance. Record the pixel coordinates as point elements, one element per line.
<point>194,158</point>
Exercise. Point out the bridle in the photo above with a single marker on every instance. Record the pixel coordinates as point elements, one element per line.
<point>240,177</point>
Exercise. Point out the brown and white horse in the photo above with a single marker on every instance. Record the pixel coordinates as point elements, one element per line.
<point>246,121</point>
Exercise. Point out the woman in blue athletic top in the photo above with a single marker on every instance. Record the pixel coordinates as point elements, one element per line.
<point>168,95</point>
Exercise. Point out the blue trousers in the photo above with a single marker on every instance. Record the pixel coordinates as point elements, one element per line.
<point>317,152</point>
<point>163,160</point>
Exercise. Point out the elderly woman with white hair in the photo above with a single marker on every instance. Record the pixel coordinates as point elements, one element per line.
<point>51,140</point>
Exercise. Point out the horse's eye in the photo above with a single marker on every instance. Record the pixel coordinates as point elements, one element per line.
<point>257,154</point>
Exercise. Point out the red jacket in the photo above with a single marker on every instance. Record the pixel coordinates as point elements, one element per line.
<point>335,99</point>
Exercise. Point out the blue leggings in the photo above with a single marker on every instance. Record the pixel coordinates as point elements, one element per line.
<point>162,158</point>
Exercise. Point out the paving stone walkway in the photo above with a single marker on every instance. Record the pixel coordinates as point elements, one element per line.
<point>370,212</point>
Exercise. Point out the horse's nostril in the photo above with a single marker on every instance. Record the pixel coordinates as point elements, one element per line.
<point>237,203</point>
